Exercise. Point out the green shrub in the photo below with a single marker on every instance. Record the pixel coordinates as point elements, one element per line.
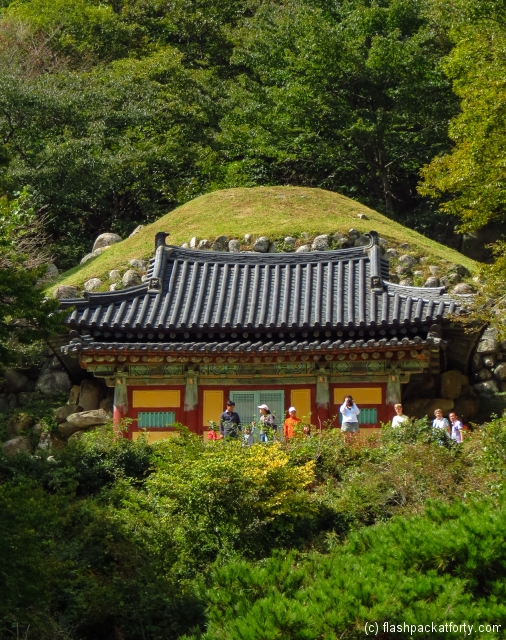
<point>447,566</point>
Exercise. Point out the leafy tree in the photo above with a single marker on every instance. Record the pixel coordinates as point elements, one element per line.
<point>25,315</point>
<point>107,148</point>
<point>471,177</point>
<point>349,97</point>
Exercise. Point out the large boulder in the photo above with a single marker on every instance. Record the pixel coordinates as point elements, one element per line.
<point>136,230</point>
<point>234,246</point>
<point>488,342</point>
<point>27,397</point>
<point>50,441</point>
<point>489,360</point>
<point>320,243</point>
<point>142,265</point>
<point>92,284</point>
<point>86,419</point>
<point>261,245</point>
<point>445,404</point>
<point>65,291</point>
<point>114,275</point>
<point>66,429</point>
<point>451,384</point>
<point>500,371</point>
<point>20,444</point>
<point>105,240</point>
<point>408,260</point>
<point>19,423</point>
<point>467,407</point>
<point>487,388</point>
<point>477,362</point>
<point>107,405</point>
<point>415,408</point>
<point>53,382</point>
<point>483,374</point>
<point>92,392</point>
<point>463,289</point>
<point>130,278</point>
<point>74,394</point>
<point>62,413</point>
<point>361,241</point>
<point>220,244</point>
<point>15,381</point>
<point>75,437</point>
<point>51,272</point>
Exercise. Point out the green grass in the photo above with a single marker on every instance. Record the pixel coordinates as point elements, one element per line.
<point>270,211</point>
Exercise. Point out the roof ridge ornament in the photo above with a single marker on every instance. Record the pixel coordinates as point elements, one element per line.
<point>374,235</point>
<point>160,239</point>
<point>374,252</point>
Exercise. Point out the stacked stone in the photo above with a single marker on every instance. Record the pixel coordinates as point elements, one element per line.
<point>489,364</point>
<point>454,393</point>
<point>89,405</point>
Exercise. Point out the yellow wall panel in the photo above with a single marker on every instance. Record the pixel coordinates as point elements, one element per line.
<point>157,399</point>
<point>361,395</point>
<point>301,400</point>
<point>213,406</point>
<point>153,436</point>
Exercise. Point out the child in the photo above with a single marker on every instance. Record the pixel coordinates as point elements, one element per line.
<point>247,437</point>
<point>399,418</point>
<point>212,432</point>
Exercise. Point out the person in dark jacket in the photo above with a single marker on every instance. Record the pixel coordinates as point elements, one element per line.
<point>230,423</point>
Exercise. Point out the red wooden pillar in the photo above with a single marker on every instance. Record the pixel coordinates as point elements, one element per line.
<point>322,398</point>
<point>120,405</point>
<point>191,397</point>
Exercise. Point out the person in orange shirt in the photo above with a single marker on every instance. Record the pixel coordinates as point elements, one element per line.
<point>290,423</point>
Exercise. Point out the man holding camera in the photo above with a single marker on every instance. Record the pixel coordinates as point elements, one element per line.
<point>349,412</point>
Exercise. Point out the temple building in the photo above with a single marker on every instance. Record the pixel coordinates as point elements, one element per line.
<point>283,329</point>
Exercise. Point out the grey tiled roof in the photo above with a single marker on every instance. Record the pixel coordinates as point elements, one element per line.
<point>198,290</point>
<point>77,346</point>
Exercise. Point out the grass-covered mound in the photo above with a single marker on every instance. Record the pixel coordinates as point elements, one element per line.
<point>274,212</point>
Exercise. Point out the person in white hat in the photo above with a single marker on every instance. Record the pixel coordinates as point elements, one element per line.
<point>267,421</point>
<point>290,423</point>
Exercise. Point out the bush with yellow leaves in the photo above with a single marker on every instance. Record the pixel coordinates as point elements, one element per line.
<point>226,498</point>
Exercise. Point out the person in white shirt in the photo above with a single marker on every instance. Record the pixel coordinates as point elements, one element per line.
<point>349,411</point>
<point>457,428</point>
<point>439,422</point>
<point>399,419</point>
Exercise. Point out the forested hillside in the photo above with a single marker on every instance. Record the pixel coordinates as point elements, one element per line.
<point>113,113</point>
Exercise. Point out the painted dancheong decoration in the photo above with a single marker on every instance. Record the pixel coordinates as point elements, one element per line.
<point>293,329</point>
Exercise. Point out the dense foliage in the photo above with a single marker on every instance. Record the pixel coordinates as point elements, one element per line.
<point>113,113</point>
<point>113,539</point>
<point>25,315</point>
<point>472,175</point>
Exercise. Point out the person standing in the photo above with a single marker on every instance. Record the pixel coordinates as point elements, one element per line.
<point>399,419</point>
<point>457,428</point>
<point>349,412</point>
<point>230,423</point>
<point>439,422</point>
<point>290,423</point>
<point>267,421</point>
